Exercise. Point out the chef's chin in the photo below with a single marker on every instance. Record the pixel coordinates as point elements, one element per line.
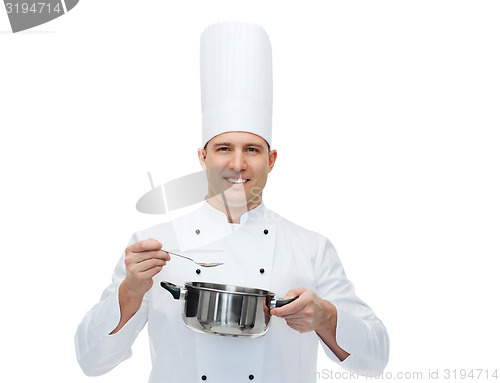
<point>234,197</point>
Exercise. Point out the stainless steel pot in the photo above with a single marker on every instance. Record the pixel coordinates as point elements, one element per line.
<point>224,309</point>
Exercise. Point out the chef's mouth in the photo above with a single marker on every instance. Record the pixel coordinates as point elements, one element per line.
<point>236,181</point>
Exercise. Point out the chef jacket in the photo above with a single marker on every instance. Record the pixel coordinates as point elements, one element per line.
<point>264,251</point>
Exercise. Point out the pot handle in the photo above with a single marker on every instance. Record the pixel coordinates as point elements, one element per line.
<point>178,292</point>
<point>281,302</point>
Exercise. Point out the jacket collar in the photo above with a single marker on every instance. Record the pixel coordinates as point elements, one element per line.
<point>219,217</point>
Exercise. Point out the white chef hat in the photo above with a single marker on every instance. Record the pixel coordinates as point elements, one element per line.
<point>236,80</point>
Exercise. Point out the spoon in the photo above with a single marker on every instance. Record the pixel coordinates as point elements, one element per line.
<point>202,264</point>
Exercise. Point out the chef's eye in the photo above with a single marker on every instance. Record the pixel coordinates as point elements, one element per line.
<point>223,149</point>
<point>255,150</point>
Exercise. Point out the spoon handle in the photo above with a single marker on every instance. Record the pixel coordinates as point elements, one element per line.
<point>179,255</point>
<point>202,264</point>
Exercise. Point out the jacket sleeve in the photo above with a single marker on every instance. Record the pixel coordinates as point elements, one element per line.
<point>359,331</point>
<point>98,352</point>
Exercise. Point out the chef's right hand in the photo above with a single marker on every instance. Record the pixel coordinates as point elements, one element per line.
<point>143,260</point>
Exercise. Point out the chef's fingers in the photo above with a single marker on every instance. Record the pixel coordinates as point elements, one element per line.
<point>148,274</point>
<point>289,309</point>
<point>147,265</point>
<point>302,321</point>
<point>145,255</point>
<point>299,326</point>
<point>293,307</point>
<point>134,259</point>
<point>144,245</point>
<point>302,314</point>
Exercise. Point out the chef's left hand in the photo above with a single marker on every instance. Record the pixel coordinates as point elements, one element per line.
<point>308,312</point>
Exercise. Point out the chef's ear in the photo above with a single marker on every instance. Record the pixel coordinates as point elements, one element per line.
<point>273,154</point>
<point>202,155</point>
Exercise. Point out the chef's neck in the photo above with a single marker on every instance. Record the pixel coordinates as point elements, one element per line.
<point>233,212</point>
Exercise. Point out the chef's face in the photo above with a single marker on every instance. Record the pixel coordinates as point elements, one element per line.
<point>237,164</point>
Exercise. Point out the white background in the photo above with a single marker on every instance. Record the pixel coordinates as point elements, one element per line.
<point>385,122</point>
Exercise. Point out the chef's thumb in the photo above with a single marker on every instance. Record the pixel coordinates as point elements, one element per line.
<point>294,293</point>
<point>158,242</point>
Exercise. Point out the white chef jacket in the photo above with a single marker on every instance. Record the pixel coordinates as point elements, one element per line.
<point>264,251</point>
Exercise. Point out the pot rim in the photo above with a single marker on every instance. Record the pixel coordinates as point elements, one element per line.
<point>229,289</point>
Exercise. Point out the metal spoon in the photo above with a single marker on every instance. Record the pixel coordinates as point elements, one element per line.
<point>202,264</point>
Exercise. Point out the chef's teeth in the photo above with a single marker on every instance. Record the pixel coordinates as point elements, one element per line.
<point>236,180</point>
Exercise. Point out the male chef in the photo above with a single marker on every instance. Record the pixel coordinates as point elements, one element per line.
<point>258,248</point>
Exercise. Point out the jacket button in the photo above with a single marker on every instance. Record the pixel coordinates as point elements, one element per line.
<point>250,377</point>
<point>204,377</point>
<point>198,271</point>
<point>262,271</point>
<point>266,231</point>
<point>197,231</point>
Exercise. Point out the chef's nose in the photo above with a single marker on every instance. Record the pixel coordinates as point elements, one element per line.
<point>237,162</point>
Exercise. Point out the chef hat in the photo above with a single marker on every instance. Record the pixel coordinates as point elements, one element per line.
<point>236,80</point>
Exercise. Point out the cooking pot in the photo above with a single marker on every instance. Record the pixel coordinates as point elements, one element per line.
<point>224,309</point>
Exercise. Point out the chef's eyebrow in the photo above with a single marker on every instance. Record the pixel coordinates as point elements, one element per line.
<point>258,146</point>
